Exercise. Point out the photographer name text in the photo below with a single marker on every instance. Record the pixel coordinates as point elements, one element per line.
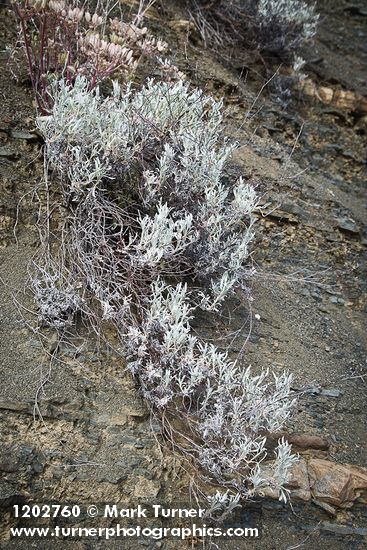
<point>156,511</point>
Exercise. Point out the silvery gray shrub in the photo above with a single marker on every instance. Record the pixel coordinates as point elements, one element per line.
<point>277,26</point>
<point>153,233</point>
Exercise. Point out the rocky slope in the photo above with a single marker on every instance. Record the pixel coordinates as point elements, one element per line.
<point>94,440</point>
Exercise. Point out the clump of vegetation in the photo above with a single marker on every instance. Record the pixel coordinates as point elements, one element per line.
<point>285,25</point>
<point>277,26</point>
<point>61,39</point>
<point>175,242</point>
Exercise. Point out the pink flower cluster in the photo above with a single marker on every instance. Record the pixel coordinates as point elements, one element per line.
<point>137,37</point>
<point>104,56</point>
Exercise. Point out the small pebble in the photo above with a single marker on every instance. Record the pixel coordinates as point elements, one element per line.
<point>331,393</point>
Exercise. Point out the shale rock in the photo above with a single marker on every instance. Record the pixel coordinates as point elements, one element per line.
<point>340,485</point>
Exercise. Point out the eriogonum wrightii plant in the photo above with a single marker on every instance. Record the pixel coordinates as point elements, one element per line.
<point>61,39</point>
<point>155,232</point>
